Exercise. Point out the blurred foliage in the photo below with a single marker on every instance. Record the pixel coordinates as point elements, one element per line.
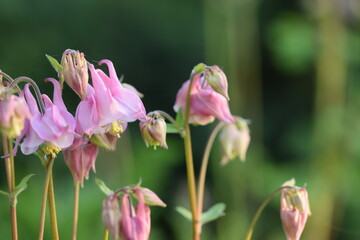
<point>304,125</point>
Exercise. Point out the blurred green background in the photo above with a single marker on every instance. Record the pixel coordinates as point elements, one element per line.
<point>293,69</point>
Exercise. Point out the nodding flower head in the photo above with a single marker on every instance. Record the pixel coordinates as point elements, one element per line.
<point>153,130</point>
<point>80,157</point>
<point>235,140</point>
<point>56,127</point>
<point>205,103</point>
<point>13,113</point>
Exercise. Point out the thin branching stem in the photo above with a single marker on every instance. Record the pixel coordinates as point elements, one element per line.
<point>203,169</point>
<point>35,87</point>
<point>44,196</point>
<point>52,209</point>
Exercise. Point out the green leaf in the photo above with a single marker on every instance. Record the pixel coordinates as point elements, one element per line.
<point>4,193</point>
<point>213,213</point>
<point>54,63</point>
<point>184,212</point>
<point>170,128</point>
<point>180,118</point>
<point>21,186</point>
<point>107,191</point>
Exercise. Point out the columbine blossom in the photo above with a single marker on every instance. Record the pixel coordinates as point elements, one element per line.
<point>108,104</point>
<point>205,103</point>
<point>55,127</point>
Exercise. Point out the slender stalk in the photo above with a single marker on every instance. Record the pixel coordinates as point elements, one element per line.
<point>106,234</point>
<point>35,87</point>
<point>190,165</point>
<point>52,209</point>
<point>10,176</point>
<point>260,209</point>
<point>76,209</point>
<point>44,196</point>
<point>204,164</point>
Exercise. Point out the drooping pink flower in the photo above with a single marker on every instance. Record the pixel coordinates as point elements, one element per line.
<point>55,127</point>
<point>13,113</point>
<point>108,104</point>
<point>80,158</point>
<point>205,103</point>
<point>134,225</point>
<point>294,211</point>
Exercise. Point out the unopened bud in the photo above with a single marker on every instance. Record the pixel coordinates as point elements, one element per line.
<point>111,215</point>
<point>217,80</point>
<point>75,71</point>
<point>153,130</point>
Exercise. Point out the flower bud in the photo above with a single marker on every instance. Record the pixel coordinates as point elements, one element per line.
<point>75,71</point>
<point>13,112</point>
<point>150,197</point>
<point>235,140</point>
<point>153,130</point>
<point>217,80</point>
<point>111,215</point>
<point>294,211</point>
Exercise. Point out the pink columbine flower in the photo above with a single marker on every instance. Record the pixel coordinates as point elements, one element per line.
<point>294,211</point>
<point>80,158</point>
<point>134,225</point>
<point>55,128</point>
<point>108,104</point>
<point>205,103</point>
<point>13,113</point>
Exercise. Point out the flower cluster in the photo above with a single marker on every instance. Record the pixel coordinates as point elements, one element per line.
<point>126,222</point>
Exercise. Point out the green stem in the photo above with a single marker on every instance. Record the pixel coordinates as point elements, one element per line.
<point>9,166</point>
<point>76,209</point>
<point>106,234</point>
<point>190,165</point>
<point>204,164</point>
<point>52,209</point>
<point>260,209</point>
<point>44,196</point>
